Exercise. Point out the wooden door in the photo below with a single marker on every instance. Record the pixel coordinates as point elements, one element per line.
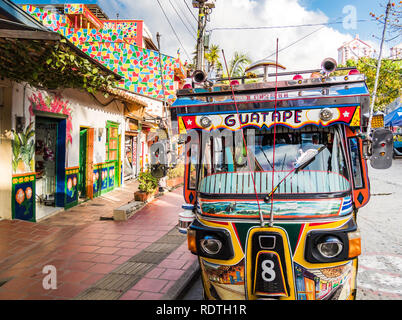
<point>90,163</point>
<point>118,171</point>
<point>82,181</point>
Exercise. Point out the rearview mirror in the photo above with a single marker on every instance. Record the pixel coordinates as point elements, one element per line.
<point>382,146</point>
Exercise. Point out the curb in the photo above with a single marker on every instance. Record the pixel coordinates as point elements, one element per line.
<point>184,283</point>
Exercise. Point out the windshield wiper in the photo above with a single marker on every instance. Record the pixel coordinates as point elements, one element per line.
<point>303,161</point>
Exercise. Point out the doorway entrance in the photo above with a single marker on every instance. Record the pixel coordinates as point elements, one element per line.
<point>85,179</point>
<point>50,155</point>
<point>83,160</point>
<point>45,159</point>
<point>113,154</point>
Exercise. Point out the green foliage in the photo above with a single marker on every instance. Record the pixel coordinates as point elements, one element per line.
<point>148,183</point>
<point>176,172</point>
<point>238,63</point>
<point>23,146</point>
<point>212,57</point>
<point>51,65</point>
<point>389,82</point>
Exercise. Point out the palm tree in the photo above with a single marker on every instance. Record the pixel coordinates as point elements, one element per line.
<point>212,56</point>
<point>238,63</point>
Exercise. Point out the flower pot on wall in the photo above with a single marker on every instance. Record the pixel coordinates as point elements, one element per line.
<point>144,196</point>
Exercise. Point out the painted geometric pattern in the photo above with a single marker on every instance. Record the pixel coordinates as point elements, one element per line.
<point>93,35</point>
<point>128,28</point>
<point>74,8</point>
<point>49,19</point>
<point>138,66</point>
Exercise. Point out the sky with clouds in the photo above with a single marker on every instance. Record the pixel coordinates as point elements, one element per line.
<point>300,47</point>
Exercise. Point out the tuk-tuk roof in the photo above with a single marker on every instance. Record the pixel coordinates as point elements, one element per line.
<point>269,86</point>
<point>314,93</point>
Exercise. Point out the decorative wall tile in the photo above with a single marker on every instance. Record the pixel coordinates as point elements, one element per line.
<point>71,196</point>
<point>23,197</point>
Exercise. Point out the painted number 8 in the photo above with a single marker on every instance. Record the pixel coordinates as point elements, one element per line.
<point>268,272</point>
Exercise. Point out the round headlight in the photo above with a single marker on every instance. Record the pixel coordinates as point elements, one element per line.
<point>330,246</point>
<point>211,245</point>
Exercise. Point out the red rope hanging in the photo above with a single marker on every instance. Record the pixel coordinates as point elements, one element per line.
<point>275,116</point>
<point>244,140</point>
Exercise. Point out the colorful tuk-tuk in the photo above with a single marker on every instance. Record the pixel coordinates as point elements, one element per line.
<point>276,172</point>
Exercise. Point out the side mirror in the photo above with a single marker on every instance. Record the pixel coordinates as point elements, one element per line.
<point>382,147</point>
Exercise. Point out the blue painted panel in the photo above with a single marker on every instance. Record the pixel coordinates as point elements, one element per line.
<point>60,163</point>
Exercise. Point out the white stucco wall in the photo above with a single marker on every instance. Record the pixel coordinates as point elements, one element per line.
<point>86,111</point>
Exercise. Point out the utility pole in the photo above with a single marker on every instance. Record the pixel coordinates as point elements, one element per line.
<point>204,9</point>
<point>378,69</point>
<point>164,114</point>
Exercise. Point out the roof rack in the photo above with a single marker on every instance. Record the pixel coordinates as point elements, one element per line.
<point>279,74</point>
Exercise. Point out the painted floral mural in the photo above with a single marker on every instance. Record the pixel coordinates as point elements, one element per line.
<point>23,150</point>
<point>54,104</point>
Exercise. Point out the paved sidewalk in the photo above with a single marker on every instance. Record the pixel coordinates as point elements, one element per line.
<point>144,257</point>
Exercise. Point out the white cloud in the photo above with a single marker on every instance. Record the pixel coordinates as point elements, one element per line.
<point>306,54</point>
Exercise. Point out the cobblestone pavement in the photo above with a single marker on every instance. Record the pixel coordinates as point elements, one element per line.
<point>90,253</point>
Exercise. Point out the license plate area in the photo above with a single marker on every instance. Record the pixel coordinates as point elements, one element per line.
<point>269,277</point>
<point>269,270</point>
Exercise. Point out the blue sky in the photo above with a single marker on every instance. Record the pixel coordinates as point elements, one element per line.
<point>331,8</point>
<point>235,13</point>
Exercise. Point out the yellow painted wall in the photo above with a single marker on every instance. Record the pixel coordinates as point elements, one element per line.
<point>5,151</point>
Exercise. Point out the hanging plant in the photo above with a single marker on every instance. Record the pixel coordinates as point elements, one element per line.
<point>52,65</point>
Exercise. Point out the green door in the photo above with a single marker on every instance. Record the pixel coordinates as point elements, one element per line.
<point>83,157</point>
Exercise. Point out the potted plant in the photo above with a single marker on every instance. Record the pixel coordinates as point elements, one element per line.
<point>148,186</point>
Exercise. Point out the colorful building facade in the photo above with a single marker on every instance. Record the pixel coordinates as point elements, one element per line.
<point>125,47</point>
<point>64,147</point>
<point>119,45</point>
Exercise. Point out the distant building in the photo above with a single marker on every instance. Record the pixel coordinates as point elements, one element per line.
<point>354,49</point>
<point>396,52</point>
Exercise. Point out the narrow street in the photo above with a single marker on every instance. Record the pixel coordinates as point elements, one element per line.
<point>380,265</point>
<point>142,258</point>
<point>149,145</point>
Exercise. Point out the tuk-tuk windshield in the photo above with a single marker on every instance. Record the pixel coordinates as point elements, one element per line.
<point>227,168</point>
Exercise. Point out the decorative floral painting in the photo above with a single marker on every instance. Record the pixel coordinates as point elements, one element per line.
<point>23,197</point>
<point>23,150</point>
<point>54,104</point>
